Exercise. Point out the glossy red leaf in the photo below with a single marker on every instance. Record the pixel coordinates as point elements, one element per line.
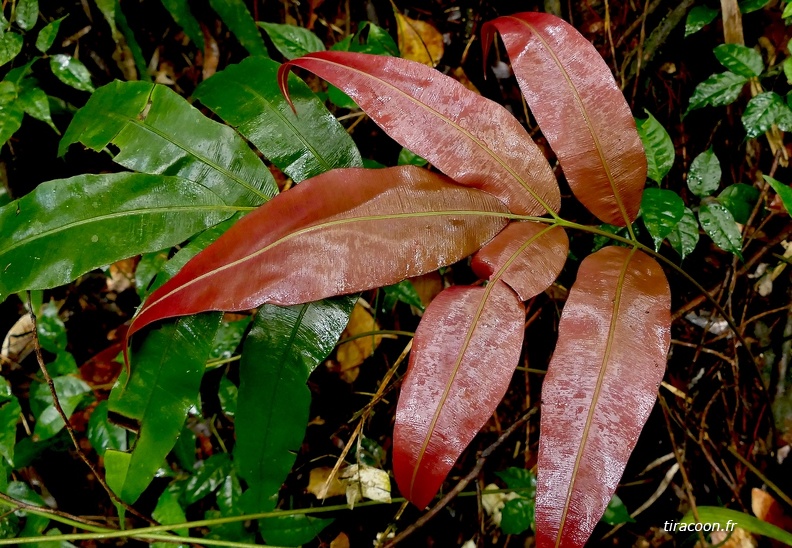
<point>463,356</point>
<point>527,256</point>
<point>580,110</point>
<point>471,139</point>
<point>600,387</point>
<point>344,231</point>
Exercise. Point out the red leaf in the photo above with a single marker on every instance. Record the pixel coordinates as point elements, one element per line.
<point>527,256</point>
<point>600,387</point>
<point>340,232</point>
<point>463,356</point>
<point>469,138</point>
<point>580,110</point>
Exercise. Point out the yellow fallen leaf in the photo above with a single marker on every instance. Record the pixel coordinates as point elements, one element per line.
<point>318,481</point>
<point>428,286</point>
<point>341,541</point>
<point>18,342</point>
<point>366,482</point>
<point>350,355</point>
<point>419,41</point>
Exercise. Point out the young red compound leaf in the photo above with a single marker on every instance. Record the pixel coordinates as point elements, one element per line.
<point>580,110</point>
<point>340,232</point>
<point>600,387</point>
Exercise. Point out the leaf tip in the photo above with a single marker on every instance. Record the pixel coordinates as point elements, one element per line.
<point>283,83</point>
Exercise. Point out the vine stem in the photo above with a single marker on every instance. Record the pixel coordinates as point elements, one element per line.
<point>56,403</point>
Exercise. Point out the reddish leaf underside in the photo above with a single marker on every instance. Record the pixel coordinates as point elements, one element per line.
<point>600,387</point>
<point>463,356</point>
<point>471,139</point>
<point>344,231</point>
<point>580,110</point>
<point>527,256</point>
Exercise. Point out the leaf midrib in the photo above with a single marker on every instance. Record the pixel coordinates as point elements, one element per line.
<point>483,146</point>
<point>121,214</point>
<point>586,118</point>
<point>468,337</point>
<point>613,324</point>
<point>322,226</point>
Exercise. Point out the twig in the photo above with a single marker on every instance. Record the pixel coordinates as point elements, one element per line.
<point>464,481</point>
<point>37,348</point>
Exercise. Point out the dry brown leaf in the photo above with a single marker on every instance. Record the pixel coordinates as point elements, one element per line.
<point>739,538</point>
<point>419,41</point>
<point>122,275</point>
<point>350,355</point>
<point>18,342</point>
<point>767,509</point>
<point>318,480</point>
<point>341,541</point>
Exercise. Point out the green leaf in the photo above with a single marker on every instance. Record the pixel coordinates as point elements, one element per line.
<point>228,338</point>
<point>10,46</point>
<point>405,292</point>
<point>187,252</point>
<point>718,90</point>
<point>52,336</point>
<point>166,375</point>
<point>661,211</point>
<point>783,191</point>
<point>208,477</point>
<point>616,512</point>
<point>740,200</point>
<point>519,478</point>
<point>517,516</point>
<point>294,530</point>
<point>685,235</point>
<point>763,111</point>
<point>292,41</point>
<point>26,14</point>
<point>302,145</point>
<point>131,43</point>
<point>658,146</point>
<point>787,64</point>
<point>728,519</point>
<point>228,496</point>
<point>46,36</point>
<point>372,39</point>
<point>169,512</point>
<point>283,347</point>
<point>749,6</point>
<point>705,174</point>
<point>228,395</point>
<point>719,225</point>
<point>409,158</point>
<point>184,450</point>
<point>68,227</point>
<point>158,132</point>
<point>787,11</point>
<point>34,523</point>
<point>35,103</point>
<point>103,434</point>
<point>8,92</point>
<point>10,412</point>
<point>180,11</point>
<point>147,268</point>
<point>698,18</point>
<point>16,75</point>
<point>238,19</point>
<point>10,120</point>
<point>71,72</point>
<point>740,59</point>
<point>71,392</point>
